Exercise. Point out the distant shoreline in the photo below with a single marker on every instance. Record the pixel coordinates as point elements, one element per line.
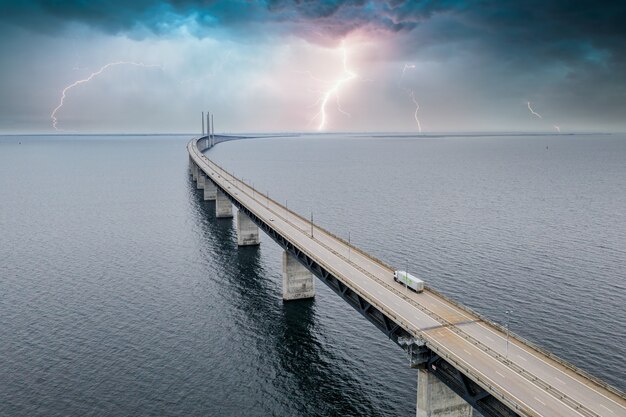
<point>353,134</point>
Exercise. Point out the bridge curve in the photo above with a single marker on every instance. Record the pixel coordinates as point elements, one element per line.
<point>495,372</point>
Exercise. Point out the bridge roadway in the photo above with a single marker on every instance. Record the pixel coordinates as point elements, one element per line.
<point>527,380</point>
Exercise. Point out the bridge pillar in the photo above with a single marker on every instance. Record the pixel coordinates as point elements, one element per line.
<point>247,231</point>
<point>194,171</point>
<point>210,190</point>
<point>435,399</point>
<point>297,280</point>
<point>201,179</point>
<point>223,207</point>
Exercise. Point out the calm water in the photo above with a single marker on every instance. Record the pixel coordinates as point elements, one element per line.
<point>121,294</point>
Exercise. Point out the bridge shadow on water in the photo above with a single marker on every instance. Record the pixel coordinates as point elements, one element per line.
<point>308,376</point>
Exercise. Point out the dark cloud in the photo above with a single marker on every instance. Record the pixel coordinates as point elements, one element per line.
<point>521,35</point>
<point>574,46</point>
<point>328,19</point>
<point>564,28</point>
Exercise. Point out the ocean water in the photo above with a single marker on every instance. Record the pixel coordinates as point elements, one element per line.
<point>121,294</point>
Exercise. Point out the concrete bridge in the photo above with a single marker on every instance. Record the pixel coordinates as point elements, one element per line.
<point>464,361</point>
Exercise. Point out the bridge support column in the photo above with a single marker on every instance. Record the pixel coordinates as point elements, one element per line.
<point>223,207</point>
<point>297,280</point>
<point>435,399</point>
<point>247,231</point>
<point>194,171</point>
<point>201,179</point>
<point>210,190</point>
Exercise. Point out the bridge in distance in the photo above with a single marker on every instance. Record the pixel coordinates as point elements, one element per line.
<point>463,359</point>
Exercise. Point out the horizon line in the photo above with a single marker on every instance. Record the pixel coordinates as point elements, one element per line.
<point>301,133</point>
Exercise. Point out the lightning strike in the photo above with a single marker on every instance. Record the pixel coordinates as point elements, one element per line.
<point>556,127</point>
<point>534,112</point>
<point>333,90</point>
<point>407,67</point>
<point>411,94</point>
<point>86,80</point>
<point>417,107</point>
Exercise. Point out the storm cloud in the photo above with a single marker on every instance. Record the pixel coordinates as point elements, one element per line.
<point>569,54</point>
<point>541,20</point>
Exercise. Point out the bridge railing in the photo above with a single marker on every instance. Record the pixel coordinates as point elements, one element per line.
<point>304,219</point>
<point>530,344</point>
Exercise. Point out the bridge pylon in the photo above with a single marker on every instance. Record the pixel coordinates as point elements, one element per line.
<point>435,399</point>
<point>247,230</point>
<point>223,206</point>
<point>210,190</point>
<point>298,281</point>
<point>201,180</point>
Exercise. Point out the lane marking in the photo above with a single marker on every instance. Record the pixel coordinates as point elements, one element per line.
<point>493,382</point>
<point>607,408</point>
<point>539,400</point>
<point>522,358</point>
<point>500,374</point>
<point>465,350</point>
<point>562,382</point>
<point>529,350</point>
<point>515,375</point>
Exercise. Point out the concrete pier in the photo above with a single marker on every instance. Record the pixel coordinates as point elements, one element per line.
<point>435,399</point>
<point>298,281</point>
<point>201,179</point>
<point>247,231</point>
<point>210,190</point>
<point>194,171</point>
<point>223,206</point>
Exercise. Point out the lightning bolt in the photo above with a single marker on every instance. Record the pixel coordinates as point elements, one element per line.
<point>333,90</point>
<point>534,112</point>
<point>417,107</point>
<point>86,80</point>
<point>407,67</point>
<point>556,127</point>
<point>411,94</point>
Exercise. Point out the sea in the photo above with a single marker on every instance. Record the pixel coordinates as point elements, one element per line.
<point>121,293</point>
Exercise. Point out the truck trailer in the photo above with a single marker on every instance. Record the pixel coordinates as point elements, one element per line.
<point>409,281</point>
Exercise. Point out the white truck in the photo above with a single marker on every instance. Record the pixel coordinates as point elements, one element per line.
<point>409,281</point>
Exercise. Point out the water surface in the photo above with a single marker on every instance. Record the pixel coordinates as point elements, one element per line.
<point>121,294</point>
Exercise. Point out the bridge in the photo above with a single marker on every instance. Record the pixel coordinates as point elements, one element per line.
<point>463,360</point>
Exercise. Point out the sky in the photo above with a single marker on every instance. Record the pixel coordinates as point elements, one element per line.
<point>309,66</point>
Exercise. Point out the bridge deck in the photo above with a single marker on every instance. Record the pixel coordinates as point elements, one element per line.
<point>529,381</point>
